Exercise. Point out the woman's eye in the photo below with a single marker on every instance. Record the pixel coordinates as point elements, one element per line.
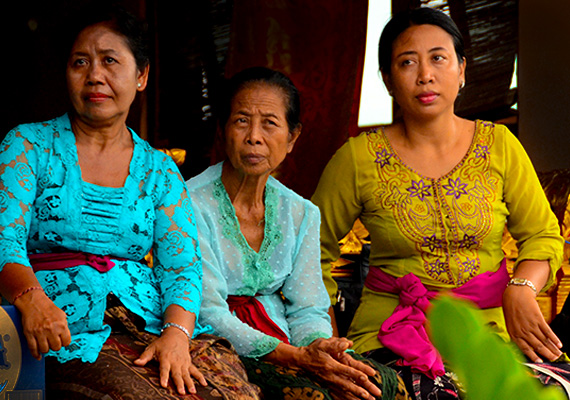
<point>438,58</point>
<point>79,62</point>
<point>407,62</point>
<point>110,60</point>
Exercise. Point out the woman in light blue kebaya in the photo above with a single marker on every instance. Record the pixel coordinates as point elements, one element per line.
<point>82,200</point>
<point>260,244</point>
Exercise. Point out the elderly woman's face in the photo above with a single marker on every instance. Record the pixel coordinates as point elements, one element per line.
<point>102,75</point>
<point>257,134</point>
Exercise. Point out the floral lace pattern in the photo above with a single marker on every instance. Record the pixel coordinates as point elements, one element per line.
<point>447,218</point>
<point>46,207</point>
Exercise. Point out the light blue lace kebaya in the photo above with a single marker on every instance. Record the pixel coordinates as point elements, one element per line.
<point>46,207</point>
<point>285,274</point>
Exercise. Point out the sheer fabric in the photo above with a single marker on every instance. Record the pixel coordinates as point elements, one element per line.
<point>46,207</point>
<point>284,275</point>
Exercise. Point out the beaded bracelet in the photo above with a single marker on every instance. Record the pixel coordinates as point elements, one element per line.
<point>172,324</point>
<point>23,292</point>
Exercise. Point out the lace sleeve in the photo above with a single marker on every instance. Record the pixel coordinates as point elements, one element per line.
<point>176,254</point>
<point>18,181</point>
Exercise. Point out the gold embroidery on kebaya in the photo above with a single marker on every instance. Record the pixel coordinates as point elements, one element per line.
<point>448,218</point>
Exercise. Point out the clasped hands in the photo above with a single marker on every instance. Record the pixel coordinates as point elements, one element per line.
<point>346,377</point>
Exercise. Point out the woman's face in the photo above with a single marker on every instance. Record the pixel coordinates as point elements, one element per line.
<point>102,75</point>
<point>425,73</point>
<point>257,135</point>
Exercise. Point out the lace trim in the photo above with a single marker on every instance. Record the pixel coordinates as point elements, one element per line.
<point>257,270</point>
<point>312,337</point>
<point>264,346</point>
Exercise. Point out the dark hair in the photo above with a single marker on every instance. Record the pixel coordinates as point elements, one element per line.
<point>419,16</point>
<point>118,19</point>
<point>256,75</point>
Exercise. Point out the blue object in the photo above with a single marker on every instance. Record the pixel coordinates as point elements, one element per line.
<point>22,377</point>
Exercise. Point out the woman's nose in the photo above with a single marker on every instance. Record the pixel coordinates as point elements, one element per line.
<point>425,74</point>
<point>254,134</point>
<point>95,74</point>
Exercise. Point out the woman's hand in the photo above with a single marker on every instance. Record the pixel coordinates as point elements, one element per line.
<point>527,326</point>
<point>348,378</point>
<point>326,361</point>
<point>44,324</point>
<point>173,354</point>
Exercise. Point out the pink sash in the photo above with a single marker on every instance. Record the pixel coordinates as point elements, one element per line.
<point>53,261</point>
<point>404,331</point>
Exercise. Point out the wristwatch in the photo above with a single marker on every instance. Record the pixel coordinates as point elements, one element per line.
<point>522,282</point>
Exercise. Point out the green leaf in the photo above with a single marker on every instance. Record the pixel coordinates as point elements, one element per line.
<point>487,366</point>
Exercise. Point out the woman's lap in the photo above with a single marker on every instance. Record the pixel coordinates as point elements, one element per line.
<point>420,386</point>
<point>281,383</point>
<point>114,376</point>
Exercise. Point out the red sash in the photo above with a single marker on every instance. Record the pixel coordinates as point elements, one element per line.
<point>250,311</point>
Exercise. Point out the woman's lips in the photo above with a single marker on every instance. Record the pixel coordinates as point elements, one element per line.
<point>427,98</point>
<point>253,158</point>
<point>96,97</point>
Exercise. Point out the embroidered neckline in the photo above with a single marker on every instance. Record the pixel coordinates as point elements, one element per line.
<point>257,270</point>
<point>394,154</point>
<point>457,229</point>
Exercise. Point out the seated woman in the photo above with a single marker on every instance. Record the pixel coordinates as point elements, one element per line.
<point>260,243</point>
<point>84,199</point>
<point>435,192</point>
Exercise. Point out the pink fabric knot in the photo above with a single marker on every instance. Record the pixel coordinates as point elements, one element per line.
<point>100,263</point>
<point>404,331</point>
<point>412,292</point>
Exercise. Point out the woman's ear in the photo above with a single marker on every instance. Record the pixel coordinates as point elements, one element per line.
<point>293,136</point>
<point>462,67</point>
<point>142,78</point>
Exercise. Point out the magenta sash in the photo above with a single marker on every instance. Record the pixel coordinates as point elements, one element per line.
<point>53,261</point>
<point>404,331</point>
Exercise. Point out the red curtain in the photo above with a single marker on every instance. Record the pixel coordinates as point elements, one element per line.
<point>320,45</point>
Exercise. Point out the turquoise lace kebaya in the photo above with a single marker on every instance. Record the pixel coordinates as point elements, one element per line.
<point>46,207</point>
<point>285,274</point>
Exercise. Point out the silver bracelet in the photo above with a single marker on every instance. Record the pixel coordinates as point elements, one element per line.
<point>173,325</point>
<point>523,282</point>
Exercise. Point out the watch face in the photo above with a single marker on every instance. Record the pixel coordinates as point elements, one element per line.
<point>520,281</point>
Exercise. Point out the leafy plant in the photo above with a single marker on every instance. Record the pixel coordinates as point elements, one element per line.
<point>487,366</point>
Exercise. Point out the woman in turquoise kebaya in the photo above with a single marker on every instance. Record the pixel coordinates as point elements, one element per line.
<point>83,200</point>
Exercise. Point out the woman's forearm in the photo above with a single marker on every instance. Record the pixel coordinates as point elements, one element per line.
<point>285,355</point>
<point>15,279</point>
<point>536,271</point>
<point>174,314</point>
